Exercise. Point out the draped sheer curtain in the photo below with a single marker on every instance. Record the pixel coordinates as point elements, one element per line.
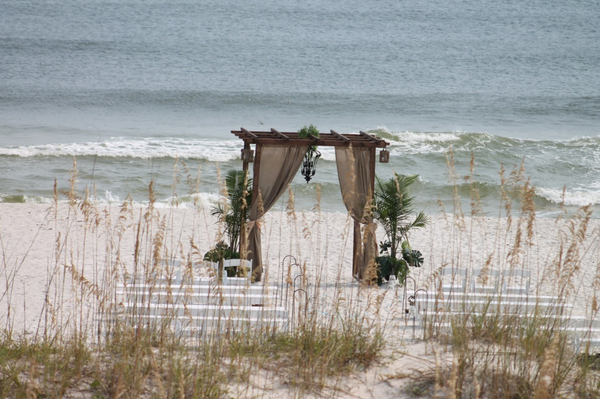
<point>277,168</point>
<point>353,165</point>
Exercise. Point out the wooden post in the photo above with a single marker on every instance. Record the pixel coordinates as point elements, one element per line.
<point>242,248</point>
<point>371,193</point>
<point>255,195</point>
<point>256,172</point>
<point>373,151</point>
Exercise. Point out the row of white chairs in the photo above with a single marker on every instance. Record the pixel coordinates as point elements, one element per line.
<point>424,303</point>
<point>584,333</point>
<point>200,305</point>
<point>177,273</point>
<point>495,293</point>
<point>485,280</point>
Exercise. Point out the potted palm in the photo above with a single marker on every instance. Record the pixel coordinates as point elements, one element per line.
<point>232,214</point>
<point>393,208</point>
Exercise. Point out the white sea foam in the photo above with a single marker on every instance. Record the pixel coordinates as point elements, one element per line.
<point>145,148</point>
<point>195,201</point>
<point>573,197</point>
<point>414,137</point>
<point>421,143</point>
<point>399,138</point>
<point>327,153</point>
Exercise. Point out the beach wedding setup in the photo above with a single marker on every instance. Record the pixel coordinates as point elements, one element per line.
<point>226,303</point>
<point>299,199</point>
<point>249,282</point>
<point>225,292</point>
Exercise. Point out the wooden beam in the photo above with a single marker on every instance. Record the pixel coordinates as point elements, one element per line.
<point>249,133</point>
<point>339,136</point>
<point>322,141</point>
<point>279,134</point>
<point>325,140</point>
<point>366,135</point>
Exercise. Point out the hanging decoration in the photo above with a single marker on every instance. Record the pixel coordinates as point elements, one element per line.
<point>309,165</point>
<point>247,155</point>
<point>384,156</point>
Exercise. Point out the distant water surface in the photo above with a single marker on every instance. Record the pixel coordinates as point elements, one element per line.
<point>128,87</point>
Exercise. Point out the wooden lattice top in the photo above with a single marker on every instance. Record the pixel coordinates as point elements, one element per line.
<point>332,139</point>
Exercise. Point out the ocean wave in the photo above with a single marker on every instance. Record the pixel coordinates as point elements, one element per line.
<point>144,148</point>
<point>489,148</point>
<point>431,142</point>
<point>583,141</point>
<point>203,200</point>
<point>574,197</point>
<point>415,137</point>
<point>24,199</point>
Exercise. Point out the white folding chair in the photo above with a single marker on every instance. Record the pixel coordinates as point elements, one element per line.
<point>452,279</point>
<point>485,281</point>
<point>586,335</point>
<point>516,281</point>
<point>215,267</point>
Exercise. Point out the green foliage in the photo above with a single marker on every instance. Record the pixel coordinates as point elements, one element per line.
<point>221,251</point>
<point>236,210</point>
<point>388,265</point>
<point>308,131</point>
<point>412,256</point>
<point>393,208</point>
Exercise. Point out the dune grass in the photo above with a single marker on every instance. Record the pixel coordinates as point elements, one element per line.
<point>492,353</point>
<point>87,343</point>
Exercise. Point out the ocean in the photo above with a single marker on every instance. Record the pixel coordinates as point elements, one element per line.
<point>136,91</point>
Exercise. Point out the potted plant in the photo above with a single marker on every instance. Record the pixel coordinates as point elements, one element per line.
<point>232,214</point>
<point>393,208</point>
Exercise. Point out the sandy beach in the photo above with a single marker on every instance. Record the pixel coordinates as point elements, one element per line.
<point>37,241</point>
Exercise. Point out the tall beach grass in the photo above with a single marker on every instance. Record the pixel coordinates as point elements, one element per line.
<point>84,341</point>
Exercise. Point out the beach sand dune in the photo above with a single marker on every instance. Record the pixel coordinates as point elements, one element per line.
<point>41,245</point>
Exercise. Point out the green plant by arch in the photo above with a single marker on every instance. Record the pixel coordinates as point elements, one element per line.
<point>233,214</point>
<point>393,208</point>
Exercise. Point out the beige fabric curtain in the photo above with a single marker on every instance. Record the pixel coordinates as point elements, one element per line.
<point>277,168</point>
<point>353,165</point>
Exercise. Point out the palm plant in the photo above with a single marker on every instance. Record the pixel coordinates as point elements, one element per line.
<point>393,208</point>
<point>235,212</point>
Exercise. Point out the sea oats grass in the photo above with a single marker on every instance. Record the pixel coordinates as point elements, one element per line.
<point>490,353</point>
<point>86,342</point>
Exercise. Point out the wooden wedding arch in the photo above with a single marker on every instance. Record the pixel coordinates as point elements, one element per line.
<point>277,156</point>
